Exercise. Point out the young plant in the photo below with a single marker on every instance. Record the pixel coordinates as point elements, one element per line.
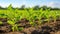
<point>30,15</point>
<point>54,16</point>
<point>47,14</point>
<point>14,26</point>
<point>40,14</point>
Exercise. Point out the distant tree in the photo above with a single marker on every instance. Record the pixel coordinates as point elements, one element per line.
<point>55,9</point>
<point>36,7</point>
<point>44,7</point>
<point>22,7</point>
<point>0,7</point>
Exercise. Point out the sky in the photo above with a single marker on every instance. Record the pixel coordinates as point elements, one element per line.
<point>30,3</point>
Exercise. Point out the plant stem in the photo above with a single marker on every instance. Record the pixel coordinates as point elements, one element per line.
<point>48,20</point>
<point>54,20</point>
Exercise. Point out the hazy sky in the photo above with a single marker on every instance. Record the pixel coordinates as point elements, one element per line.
<point>30,3</point>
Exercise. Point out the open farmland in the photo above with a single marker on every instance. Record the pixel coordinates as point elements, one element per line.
<point>15,21</point>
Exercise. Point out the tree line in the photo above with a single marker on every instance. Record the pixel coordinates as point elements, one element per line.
<point>37,7</point>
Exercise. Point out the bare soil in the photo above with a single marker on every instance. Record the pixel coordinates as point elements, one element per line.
<point>46,28</point>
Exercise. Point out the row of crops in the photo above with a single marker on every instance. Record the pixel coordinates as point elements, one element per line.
<point>31,15</point>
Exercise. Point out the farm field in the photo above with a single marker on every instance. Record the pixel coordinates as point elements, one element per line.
<point>15,21</point>
<point>29,16</point>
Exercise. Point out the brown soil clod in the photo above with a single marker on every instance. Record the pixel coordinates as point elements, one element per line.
<point>5,28</point>
<point>3,19</point>
<point>24,23</point>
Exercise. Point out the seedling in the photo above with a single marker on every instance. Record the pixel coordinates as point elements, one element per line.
<point>54,16</point>
<point>47,14</point>
<point>14,26</point>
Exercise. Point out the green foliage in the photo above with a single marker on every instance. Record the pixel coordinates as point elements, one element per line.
<point>1,23</point>
<point>21,28</point>
<point>47,14</point>
<point>54,15</point>
<point>15,28</point>
<point>33,24</point>
<point>11,22</point>
<point>10,7</point>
